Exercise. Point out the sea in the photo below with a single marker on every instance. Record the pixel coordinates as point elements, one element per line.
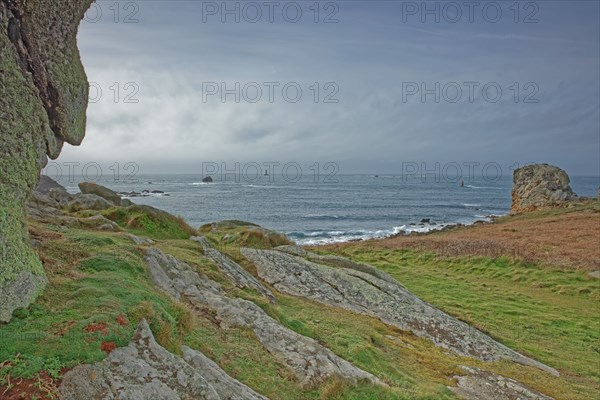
<point>324,211</point>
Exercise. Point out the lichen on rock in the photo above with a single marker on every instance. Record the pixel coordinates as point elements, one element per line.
<point>311,362</point>
<point>360,289</point>
<point>43,100</point>
<point>540,186</point>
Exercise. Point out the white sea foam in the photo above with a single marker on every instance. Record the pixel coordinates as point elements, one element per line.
<point>316,238</point>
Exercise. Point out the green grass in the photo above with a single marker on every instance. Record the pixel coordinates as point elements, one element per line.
<point>413,367</point>
<point>240,354</point>
<point>150,222</point>
<point>549,314</point>
<point>243,234</point>
<point>94,278</point>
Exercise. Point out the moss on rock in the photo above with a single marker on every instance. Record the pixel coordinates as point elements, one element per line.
<point>43,98</point>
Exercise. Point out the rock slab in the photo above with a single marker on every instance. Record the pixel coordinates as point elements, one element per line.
<point>145,370</point>
<point>310,361</point>
<point>104,192</point>
<point>361,291</point>
<point>480,384</point>
<point>240,277</point>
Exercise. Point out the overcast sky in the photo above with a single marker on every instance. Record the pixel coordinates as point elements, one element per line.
<point>373,57</point>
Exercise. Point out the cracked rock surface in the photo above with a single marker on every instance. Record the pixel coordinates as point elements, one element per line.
<point>310,361</point>
<point>145,370</point>
<point>540,186</point>
<point>240,277</point>
<point>359,290</point>
<point>480,384</point>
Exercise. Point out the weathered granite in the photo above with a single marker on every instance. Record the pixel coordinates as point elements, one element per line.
<point>224,385</point>
<point>87,202</point>
<point>18,292</point>
<point>145,370</point>
<point>480,384</point>
<point>540,186</point>
<point>46,184</point>
<point>99,222</point>
<point>337,261</point>
<point>240,277</point>
<point>104,192</point>
<point>140,241</point>
<point>365,293</point>
<point>311,362</point>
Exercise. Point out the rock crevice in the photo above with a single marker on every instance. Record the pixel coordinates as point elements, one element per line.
<point>240,277</point>
<point>306,358</point>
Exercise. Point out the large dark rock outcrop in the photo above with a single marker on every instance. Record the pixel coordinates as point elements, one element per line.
<point>43,100</point>
<point>540,186</point>
<point>46,184</point>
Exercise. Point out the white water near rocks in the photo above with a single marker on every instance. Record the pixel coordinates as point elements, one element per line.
<point>316,212</point>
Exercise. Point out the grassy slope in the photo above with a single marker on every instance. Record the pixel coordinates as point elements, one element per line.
<point>550,314</point>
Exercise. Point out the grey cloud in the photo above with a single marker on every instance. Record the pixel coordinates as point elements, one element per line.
<point>368,54</point>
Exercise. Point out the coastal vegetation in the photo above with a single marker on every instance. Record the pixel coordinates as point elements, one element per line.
<point>99,290</point>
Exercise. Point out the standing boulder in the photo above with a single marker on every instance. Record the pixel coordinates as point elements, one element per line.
<point>540,186</point>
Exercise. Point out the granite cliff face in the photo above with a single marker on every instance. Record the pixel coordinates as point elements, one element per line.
<point>43,101</point>
<point>540,186</point>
